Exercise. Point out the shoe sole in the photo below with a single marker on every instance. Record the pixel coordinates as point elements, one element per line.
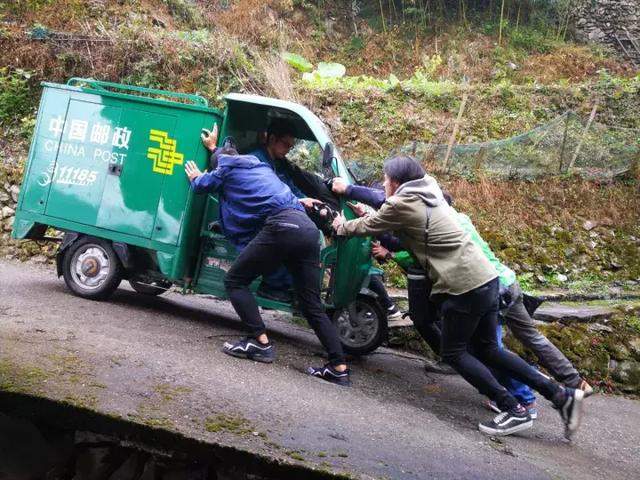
<point>248,357</point>
<point>331,382</point>
<point>576,415</point>
<point>509,431</point>
<point>394,315</point>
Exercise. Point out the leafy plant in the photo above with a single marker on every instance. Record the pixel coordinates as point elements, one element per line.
<point>297,61</point>
<point>331,70</point>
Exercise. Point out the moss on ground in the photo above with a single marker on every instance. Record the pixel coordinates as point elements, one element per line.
<point>222,422</point>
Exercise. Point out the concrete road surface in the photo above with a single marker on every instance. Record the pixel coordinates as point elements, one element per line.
<point>157,360</point>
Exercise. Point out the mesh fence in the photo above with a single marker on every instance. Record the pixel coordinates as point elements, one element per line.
<point>567,144</point>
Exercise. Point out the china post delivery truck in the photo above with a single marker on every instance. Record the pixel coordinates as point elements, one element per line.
<point>106,167</point>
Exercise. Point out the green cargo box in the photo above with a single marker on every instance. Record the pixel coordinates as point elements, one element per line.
<point>110,164</point>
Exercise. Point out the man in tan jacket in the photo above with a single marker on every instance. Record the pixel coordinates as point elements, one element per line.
<point>465,288</point>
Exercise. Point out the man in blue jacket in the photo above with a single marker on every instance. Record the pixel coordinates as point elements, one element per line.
<point>256,207</point>
<point>280,139</point>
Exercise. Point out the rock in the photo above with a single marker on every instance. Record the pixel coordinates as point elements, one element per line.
<point>94,462</point>
<point>561,278</point>
<point>557,312</point>
<point>15,191</point>
<point>4,197</point>
<point>589,225</point>
<point>129,467</point>
<point>25,452</point>
<point>619,352</point>
<point>628,374</point>
<point>39,259</point>
<point>634,346</point>
<point>6,212</point>
<point>8,224</point>
<point>598,327</point>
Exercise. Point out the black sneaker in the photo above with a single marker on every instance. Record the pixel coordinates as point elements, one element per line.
<point>507,423</point>
<point>251,349</point>
<point>331,375</point>
<point>393,312</point>
<point>571,411</point>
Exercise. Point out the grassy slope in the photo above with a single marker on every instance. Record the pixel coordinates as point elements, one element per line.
<point>530,79</point>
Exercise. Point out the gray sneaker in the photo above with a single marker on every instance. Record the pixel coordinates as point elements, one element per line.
<point>250,349</point>
<point>571,411</point>
<point>507,423</point>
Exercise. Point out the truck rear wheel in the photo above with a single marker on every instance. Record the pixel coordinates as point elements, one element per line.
<point>91,269</point>
<point>362,326</point>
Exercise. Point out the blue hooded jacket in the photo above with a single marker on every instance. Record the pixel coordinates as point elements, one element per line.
<point>249,192</point>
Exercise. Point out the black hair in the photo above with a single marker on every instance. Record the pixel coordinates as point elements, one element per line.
<point>403,169</point>
<point>279,127</point>
<point>448,197</point>
<point>228,148</point>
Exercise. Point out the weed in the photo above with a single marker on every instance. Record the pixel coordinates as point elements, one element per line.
<point>16,100</point>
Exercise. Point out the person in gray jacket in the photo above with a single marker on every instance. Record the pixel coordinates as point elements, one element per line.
<point>465,290</point>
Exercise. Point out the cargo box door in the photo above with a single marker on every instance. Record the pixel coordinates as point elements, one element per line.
<point>141,158</point>
<point>78,177</point>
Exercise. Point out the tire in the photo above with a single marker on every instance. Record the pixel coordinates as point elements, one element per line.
<point>150,288</point>
<point>364,333</point>
<point>91,269</point>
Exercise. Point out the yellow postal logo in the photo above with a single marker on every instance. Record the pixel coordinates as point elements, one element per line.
<point>164,156</point>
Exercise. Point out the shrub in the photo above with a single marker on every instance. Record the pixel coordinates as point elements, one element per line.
<point>15,96</point>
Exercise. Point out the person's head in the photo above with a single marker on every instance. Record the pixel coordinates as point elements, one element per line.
<point>399,170</point>
<point>228,148</point>
<point>280,137</point>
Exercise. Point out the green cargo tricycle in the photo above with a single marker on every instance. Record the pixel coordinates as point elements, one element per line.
<point>106,167</point>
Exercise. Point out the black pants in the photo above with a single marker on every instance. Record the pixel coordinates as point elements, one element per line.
<point>470,320</point>
<point>422,311</point>
<point>288,238</point>
<point>376,285</point>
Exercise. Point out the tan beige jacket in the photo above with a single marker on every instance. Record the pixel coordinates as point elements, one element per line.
<point>456,265</point>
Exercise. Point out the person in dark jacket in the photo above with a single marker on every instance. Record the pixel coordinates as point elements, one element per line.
<point>280,140</point>
<point>465,290</point>
<point>258,207</point>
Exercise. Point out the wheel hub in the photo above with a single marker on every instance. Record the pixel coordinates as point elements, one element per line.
<point>357,325</point>
<point>91,267</point>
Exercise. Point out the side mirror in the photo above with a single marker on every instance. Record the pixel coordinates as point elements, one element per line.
<point>327,156</point>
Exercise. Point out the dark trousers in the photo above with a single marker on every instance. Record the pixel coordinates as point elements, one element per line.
<point>422,311</point>
<point>288,238</point>
<point>470,320</point>
<point>376,285</point>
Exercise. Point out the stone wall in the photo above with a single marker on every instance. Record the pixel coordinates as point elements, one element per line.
<point>42,252</point>
<point>601,21</point>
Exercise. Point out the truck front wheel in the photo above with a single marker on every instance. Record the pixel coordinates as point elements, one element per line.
<point>362,326</point>
<point>91,269</point>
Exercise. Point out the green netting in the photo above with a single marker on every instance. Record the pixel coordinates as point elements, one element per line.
<point>557,147</point>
